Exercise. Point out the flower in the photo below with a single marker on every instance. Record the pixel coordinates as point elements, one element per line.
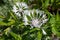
<point>19,8</point>
<point>35,22</point>
<point>35,18</point>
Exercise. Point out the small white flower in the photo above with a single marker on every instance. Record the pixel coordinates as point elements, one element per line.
<point>34,18</point>
<point>19,8</point>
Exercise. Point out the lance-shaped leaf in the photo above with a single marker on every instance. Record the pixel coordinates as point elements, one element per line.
<point>39,35</point>
<point>17,37</point>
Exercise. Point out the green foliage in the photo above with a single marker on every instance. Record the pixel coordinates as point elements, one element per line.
<point>13,28</point>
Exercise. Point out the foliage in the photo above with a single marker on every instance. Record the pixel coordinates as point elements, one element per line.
<point>12,25</point>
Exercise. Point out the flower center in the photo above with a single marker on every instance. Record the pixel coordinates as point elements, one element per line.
<point>35,22</point>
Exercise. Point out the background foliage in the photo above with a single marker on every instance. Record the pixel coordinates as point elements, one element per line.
<point>12,27</point>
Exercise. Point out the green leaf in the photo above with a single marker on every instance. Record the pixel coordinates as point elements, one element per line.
<point>31,15</point>
<point>55,31</point>
<point>31,31</point>
<point>34,29</point>
<point>17,37</point>
<point>14,16</point>
<point>45,4</point>
<point>7,30</point>
<point>11,22</point>
<point>35,14</point>
<point>57,17</point>
<point>3,23</point>
<point>2,39</point>
<point>52,1</point>
<point>2,17</point>
<point>39,35</point>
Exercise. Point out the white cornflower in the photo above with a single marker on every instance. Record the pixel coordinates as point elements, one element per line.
<point>35,18</point>
<point>19,8</point>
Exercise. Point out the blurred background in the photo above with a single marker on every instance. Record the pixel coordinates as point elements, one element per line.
<point>12,27</point>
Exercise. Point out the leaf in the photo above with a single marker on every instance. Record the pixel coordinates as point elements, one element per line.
<point>7,30</point>
<point>1,38</point>
<point>39,35</point>
<point>35,14</point>
<point>52,1</point>
<point>11,22</point>
<point>55,31</point>
<point>14,16</point>
<point>3,23</point>
<point>34,29</point>
<point>31,31</point>
<point>26,32</point>
<point>2,17</point>
<point>17,37</point>
<point>31,14</point>
<point>57,17</point>
<point>45,4</point>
